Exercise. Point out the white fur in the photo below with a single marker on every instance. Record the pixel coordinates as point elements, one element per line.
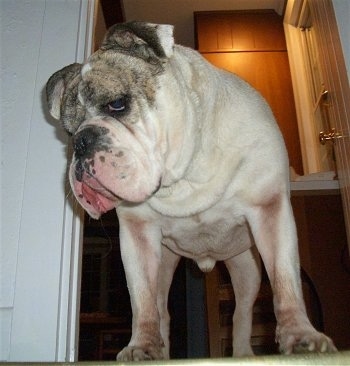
<point>165,34</point>
<point>57,94</point>
<point>86,68</point>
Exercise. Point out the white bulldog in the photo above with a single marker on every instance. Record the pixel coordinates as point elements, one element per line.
<point>195,165</point>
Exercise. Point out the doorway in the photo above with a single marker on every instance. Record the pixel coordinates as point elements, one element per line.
<point>106,338</point>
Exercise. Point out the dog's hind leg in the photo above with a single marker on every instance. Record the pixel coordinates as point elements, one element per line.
<point>168,265</point>
<point>274,231</point>
<point>245,272</point>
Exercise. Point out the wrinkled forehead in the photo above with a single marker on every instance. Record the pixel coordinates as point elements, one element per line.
<point>112,62</point>
<point>108,74</point>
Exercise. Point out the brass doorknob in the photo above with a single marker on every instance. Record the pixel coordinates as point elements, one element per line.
<point>330,136</point>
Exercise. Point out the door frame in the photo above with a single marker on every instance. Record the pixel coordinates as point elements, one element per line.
<point>71,261</point>
<point>293,20</point>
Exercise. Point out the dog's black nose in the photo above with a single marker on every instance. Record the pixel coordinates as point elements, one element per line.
<point>84,141</point>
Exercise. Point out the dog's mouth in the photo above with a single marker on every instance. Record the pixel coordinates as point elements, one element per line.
<point>106,176</point>
<point>95,198</point>
<point>99,197</point>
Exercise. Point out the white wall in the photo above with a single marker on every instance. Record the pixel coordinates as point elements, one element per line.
<point>39,232</point>
<point>180,12</point>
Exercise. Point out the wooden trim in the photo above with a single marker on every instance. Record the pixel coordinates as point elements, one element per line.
<point>238,50</point>
<point>244,11</point>
<point>303,103</point>
<point>337,83</point>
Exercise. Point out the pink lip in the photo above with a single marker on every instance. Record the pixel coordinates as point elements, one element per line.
<point>93,196</point>
<point>100,202</point>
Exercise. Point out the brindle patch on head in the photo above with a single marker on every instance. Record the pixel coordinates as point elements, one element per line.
<point>137,39</point>
<point>62,96</point>
<point>131,57</point>
<point>113,76</point>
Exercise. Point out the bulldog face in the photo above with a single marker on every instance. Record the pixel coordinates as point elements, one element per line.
<point>107,105</point>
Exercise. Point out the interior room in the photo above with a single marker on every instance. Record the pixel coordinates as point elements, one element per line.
<point>64,296</point>
<point>249,39</point>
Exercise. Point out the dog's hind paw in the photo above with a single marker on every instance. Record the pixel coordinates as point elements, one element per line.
<point>134,353</point>
<point>312,341</point>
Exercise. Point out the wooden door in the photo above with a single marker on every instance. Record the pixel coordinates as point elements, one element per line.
<point>335,81</point>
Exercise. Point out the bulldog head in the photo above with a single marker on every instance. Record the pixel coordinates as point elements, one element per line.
<point>107,106</point>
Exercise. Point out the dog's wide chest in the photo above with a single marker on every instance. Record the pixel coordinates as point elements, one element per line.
<point>206,238</point>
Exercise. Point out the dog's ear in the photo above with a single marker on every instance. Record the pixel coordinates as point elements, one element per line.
<point>145,40</point>
<point>56,86</point>
<point>62,97</point>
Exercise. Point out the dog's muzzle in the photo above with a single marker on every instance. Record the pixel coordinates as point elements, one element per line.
<point>86,143</point>
<point>84,140</point>
<point>89,144</point>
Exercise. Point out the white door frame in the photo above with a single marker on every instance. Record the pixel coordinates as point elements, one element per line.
<point>70,279</point>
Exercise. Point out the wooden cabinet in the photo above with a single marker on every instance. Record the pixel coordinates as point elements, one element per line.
<point>239,31</point>
<point>252,45</point>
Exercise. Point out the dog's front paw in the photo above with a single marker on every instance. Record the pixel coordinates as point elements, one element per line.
<point>304,341</point>
<point>134,353</point>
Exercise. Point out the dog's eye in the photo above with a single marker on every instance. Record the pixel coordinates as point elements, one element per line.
<point>119,105</point>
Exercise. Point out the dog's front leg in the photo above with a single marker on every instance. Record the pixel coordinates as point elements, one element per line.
<point>274,231</point>
<point>141,254</point>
